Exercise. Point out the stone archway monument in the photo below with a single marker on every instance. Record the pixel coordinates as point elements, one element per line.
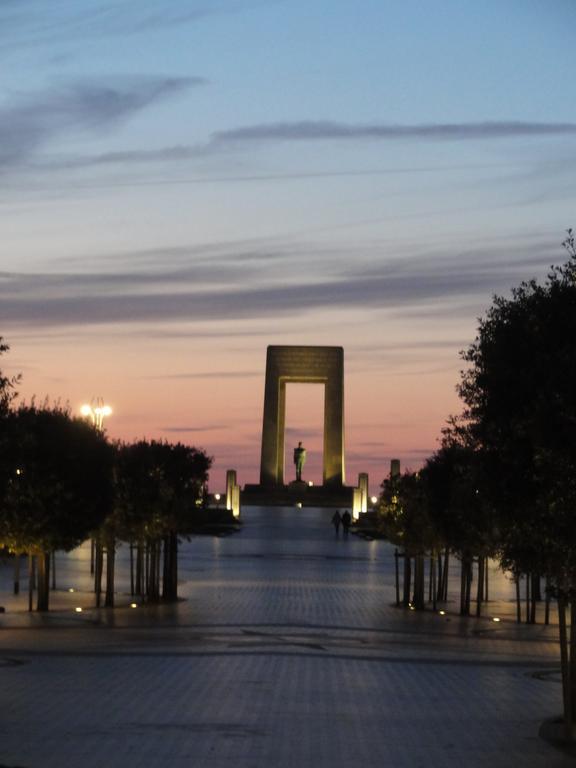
<point>309,365</point>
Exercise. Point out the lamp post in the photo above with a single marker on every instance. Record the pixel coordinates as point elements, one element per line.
<point>217,498</point>
<point>97,412</point>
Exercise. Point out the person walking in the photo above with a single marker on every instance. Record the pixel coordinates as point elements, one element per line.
<point>336,520</point>
<point>346,520</point>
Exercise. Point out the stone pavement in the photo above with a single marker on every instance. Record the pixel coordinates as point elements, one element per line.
<point>285,653</point>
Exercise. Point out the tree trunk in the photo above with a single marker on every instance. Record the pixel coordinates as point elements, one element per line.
<point>480,587</point>
<point>174,564</point>
<point>565,664</point>
<point>152,590</point>
<point>518,601</point>
<point>463,585</point>
<point>147,569</point>
<point>31,579</point>
<point>407,580</point>
<point>140,568</point>
<point>444,595</point>
<point>17,573</point>
<point>547,603</point>
<point>98,568</point>
<point>131,569</point>
<point>166,580</point>
<point>170,570</point>
<point>468,584</point>
<point>43,599</point>
<point>535,595</point>
<point>53,570</point>
<point>433,579</point>
<point>397,576</point>
<point>158,562</point>
<point>528,584</point>
<point>110,563</point>
<point>572,662</point>
<point>537,588</point>
<point>418,600</point>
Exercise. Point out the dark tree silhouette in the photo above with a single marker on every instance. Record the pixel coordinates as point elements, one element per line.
<point>56,484</point>
<point>520,397</point>
<point>158,486</point>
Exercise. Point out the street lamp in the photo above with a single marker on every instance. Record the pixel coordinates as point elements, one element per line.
<point>97,411</point>
<point>217,498</point>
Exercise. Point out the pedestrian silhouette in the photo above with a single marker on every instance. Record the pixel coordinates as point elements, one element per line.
<point>336,520</point>
<point>346,520</point>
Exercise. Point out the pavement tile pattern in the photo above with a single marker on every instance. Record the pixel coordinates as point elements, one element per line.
<point>285,653</point>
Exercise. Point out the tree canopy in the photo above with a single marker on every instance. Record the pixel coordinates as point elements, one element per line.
<point>520,398</point>
<point>56,479</point>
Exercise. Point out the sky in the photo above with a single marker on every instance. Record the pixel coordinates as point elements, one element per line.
<point>184,183</point>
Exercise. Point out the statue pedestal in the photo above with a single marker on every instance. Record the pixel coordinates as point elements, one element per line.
<point>340,496</point>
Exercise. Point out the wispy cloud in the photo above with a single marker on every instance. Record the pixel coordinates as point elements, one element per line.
<point>387,284</point>
<point>28,122</point>
<point>235,138</point>
<point>323,130</point>
<point>313,131</point>
<point>34,22</point>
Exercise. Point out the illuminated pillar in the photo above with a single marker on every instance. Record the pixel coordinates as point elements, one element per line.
<point>230,483</point>
<point>356,503</point>
<point>235,501</point>
<point>363,485</point>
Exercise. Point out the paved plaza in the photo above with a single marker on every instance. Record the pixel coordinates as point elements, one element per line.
<point>285,653</point>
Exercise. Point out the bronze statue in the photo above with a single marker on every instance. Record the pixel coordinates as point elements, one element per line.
<point>299,460</point>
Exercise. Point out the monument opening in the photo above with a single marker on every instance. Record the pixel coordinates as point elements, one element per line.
<point>305,424</point>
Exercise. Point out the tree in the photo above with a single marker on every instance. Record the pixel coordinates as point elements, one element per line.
<point>158,485</point>
<point>405,522</point>
<point>8,384</point>
<point>56,484</point>
<point>459,510</point>
<point>520,397</point>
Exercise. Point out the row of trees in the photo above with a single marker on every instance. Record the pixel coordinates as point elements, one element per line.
<point>62,481</point>
<point>503,483</point>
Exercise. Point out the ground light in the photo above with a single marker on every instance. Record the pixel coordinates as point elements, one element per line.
<point>78,609</point>
<point>495,618</point>
<point>133,605</point>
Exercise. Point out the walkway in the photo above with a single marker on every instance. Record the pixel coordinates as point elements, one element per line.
<point>286,653</point>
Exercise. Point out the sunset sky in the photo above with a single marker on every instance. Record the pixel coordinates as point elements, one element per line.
<point>184,183</point>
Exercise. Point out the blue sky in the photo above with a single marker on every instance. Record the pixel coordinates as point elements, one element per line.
<point>184,183</point>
